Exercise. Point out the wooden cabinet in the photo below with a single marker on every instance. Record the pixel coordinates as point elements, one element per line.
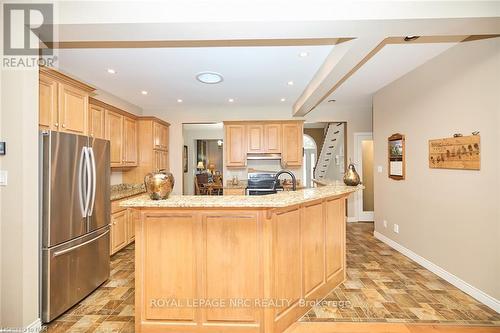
<point>234,191</point>
<point>73,109</point>
<point>160,136</point>
<point>63,103</point>
<point>255,135</point>
<point>133,216</point>
<point>114,133</point>
<point>118,230</point>
<point>96,121</point>
<point>47,97</point>
<point>129,142</point>
<point>292,144</point>
<point>152,133</point>
<point>235,147</point>
<point>272,138</point>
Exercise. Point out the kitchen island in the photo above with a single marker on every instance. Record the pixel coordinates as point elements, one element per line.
<point>236,263</point>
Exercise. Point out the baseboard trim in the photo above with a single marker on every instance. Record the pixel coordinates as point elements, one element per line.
<point>454,280</point>
<point>351,219</point>
<point>35,326</point>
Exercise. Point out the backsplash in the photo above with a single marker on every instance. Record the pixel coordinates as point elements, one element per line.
<point>259,165</point>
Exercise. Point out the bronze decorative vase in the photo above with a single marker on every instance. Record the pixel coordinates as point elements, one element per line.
<point>351,177</point>
<point>159,184</point>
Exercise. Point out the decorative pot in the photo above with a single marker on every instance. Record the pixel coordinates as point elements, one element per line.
<point>159,184</point>
<point>351,177</point>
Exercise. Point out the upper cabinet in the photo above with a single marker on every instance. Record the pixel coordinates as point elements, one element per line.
<point>255,133</point>
<point>130,141</point>
<point>272,137</point>
<point>235,145</point>
<point>292,144</point>
<point>114,133</point>
<point>63,103</point>
<point>96,121</point>
<point>265,137</point>
<point>160,136</point>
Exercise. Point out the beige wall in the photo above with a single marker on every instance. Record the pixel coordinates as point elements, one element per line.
<point>449,217</point>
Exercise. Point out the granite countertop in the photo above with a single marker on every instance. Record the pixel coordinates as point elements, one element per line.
<point>121,191</point>
<point>278,200</point>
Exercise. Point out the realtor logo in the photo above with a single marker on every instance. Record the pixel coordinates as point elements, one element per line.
<point>21,22</point>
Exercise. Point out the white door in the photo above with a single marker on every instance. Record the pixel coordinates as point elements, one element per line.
<point>363,152</point>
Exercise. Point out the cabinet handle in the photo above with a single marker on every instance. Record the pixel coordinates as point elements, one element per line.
<point>56,124</point>
<point>64,125</point>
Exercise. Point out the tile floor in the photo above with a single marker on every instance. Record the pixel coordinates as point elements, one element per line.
<point>382,286</point>
<point>385,286</point>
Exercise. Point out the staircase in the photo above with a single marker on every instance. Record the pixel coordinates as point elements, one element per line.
<point>326,156</point>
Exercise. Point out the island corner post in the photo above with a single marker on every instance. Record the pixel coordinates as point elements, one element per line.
<point>236,269</point>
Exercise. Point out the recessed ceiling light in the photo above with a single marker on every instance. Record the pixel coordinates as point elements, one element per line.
<point>230,100</point>
<point>303,54</point>
<point>332,100</point>
<point>290,83</point>
<point>144,92</point>
<point>209,77</point>
<point>411,38</point>
<point>282,99</point>
<point>111,71</point>
<point>179,100</point>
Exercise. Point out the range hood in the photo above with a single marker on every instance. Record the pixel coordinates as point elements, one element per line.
<point>263,156</point>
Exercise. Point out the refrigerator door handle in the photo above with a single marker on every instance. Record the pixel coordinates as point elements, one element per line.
<point>60,253</point>
<point>88,171</point>
<point>94,177</point>
<point>81,183</point>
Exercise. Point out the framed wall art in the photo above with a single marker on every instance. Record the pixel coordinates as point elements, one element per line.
<point>396,152</point>
<point>462,152</point>
<point>185,159</point>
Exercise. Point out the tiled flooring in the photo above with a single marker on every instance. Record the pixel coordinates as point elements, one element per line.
<point>382,286</point>
<point>385,286</point>
<point>108,309</point>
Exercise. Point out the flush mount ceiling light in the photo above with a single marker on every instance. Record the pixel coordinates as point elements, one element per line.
<point>111,71</point>
<point>144,92</point>
<point>179,100</point>
<point>283,99</point>
<point>332,100</point>
<point>411,38</point>
<point>290,83</point>
<point>303,54</point>
<point>230,100</point>
<point>209,77</point>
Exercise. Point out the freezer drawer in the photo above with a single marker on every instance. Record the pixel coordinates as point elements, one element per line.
<point>73,270</point>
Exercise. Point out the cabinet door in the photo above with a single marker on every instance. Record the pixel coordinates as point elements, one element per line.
<point>114,133</point>
<point>130,141</point>
<point>164,137</point>
<point>159,136</point>
<point>96,121</point>
<point>157,159</point>
<point>255,135</point>
<point>272,138</point>
<point>118,230</point>
<point>133,215</point>
<point>164,160</point>
<point>48,115</point>
<point>235,145</point>
<point>73,109</point>
<point>292,145</point>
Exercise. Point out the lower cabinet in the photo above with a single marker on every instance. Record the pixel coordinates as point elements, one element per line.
<point>122,226</point>
<point>234,191</point>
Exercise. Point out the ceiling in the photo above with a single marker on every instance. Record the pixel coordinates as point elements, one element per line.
<point>253,76</point>
<point>390,63</point>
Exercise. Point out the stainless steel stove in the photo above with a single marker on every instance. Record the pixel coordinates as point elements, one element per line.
<point>261,183</point>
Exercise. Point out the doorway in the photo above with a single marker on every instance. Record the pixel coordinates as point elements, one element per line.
<point>310,156</point>
<point>363,152</point>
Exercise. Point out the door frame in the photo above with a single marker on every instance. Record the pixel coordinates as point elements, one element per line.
<point>358,160</point>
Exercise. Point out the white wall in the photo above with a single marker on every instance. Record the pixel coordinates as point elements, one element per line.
<point>449,217</point>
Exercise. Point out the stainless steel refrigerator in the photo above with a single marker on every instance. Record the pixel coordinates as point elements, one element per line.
<point>75,216</point>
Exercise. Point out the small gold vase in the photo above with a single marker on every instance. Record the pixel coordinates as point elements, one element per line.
<point>351,177</point>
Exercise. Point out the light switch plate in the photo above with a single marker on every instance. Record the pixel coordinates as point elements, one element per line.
<point>379,169</point>
<point>3,177</point>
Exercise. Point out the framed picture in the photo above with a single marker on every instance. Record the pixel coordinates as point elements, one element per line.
<point>185,159</point>
<point>397,164</point>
